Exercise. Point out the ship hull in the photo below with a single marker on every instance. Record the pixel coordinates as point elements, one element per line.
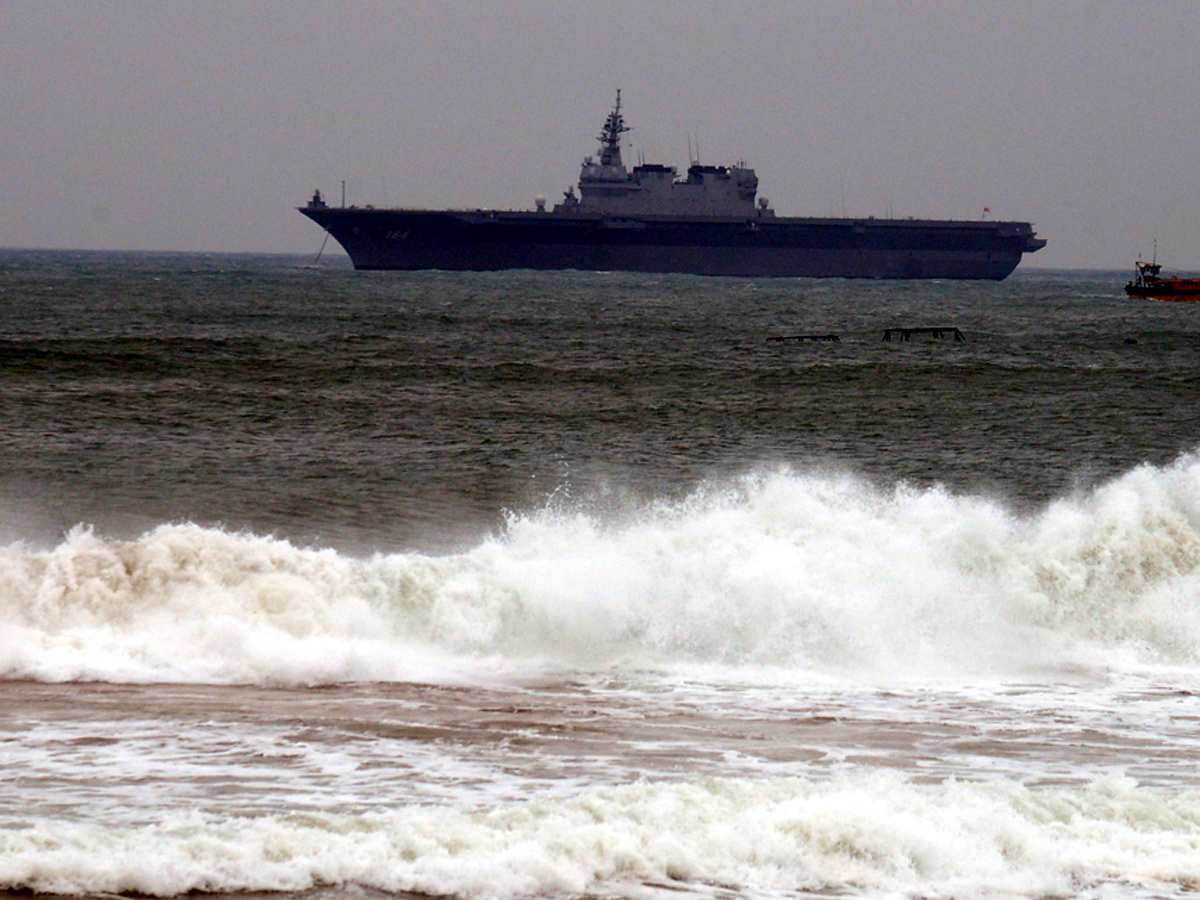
<point>1177,290</point>
<point>767,247</point>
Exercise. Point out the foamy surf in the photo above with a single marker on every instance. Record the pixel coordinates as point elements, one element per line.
<point>862,836</point>
<point>805,572</point>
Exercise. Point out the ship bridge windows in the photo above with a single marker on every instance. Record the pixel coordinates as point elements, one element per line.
<point>648,171</point>
<point>603,173</point>
<point>698,173</point>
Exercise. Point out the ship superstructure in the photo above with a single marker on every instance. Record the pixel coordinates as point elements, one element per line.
<point>608,188</point>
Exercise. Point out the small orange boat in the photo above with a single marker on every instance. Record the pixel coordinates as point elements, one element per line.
<point>1148,282</point>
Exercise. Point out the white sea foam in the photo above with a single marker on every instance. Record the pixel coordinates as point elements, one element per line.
<point>870,835</point>
<point>805,572</point>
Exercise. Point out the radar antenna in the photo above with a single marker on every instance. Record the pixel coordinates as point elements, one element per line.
<point>610,137</point>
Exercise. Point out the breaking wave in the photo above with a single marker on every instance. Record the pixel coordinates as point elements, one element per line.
<point>872,835</point>
<point>802,571</point>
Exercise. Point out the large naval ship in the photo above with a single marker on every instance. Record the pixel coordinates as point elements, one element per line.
<point>710,222</point>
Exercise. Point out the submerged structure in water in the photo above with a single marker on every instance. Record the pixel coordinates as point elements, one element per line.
<point>649,219</point>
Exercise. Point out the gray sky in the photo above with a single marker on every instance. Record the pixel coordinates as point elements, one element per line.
<point>146,124</point>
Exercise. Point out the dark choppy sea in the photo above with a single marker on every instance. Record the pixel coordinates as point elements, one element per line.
<point>573,585</point>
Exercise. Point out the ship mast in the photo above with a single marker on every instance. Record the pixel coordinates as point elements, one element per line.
<point>610,137</point>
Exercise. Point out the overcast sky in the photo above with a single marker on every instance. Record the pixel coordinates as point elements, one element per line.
<point>146,124</point>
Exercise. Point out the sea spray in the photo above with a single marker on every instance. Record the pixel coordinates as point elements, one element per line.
<point>804,571</point>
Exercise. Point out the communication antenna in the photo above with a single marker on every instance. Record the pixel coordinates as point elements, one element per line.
<point>610,136</point>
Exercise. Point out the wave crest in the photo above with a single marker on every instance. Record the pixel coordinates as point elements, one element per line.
<point>801,571</point>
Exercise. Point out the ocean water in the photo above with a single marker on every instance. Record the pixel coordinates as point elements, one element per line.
<point>577,585</point>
